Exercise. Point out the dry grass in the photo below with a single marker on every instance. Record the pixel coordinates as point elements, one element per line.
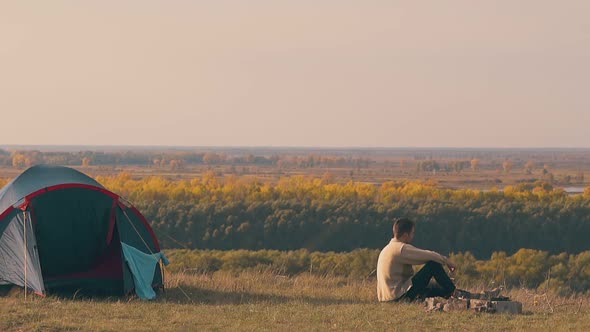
<point>264,301</point>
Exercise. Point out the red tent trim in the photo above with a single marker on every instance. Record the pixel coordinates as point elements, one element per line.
<point>67,186</point>
<point>112,222</point>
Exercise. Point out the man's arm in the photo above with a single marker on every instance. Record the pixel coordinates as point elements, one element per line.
<point>414,256</point>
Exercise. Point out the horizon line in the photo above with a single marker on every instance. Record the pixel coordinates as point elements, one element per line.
<point>293,147</point>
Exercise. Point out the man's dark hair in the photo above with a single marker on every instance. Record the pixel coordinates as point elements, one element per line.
<point>402,226</point>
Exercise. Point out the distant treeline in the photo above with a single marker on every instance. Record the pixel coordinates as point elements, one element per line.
<point>314,214</point>
<point>527,268</point>
<point>175,160</point>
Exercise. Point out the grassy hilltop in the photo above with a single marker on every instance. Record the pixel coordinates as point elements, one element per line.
<point>252,301</point>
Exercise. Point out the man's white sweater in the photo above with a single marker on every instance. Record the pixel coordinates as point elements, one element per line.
<point>394,268</point>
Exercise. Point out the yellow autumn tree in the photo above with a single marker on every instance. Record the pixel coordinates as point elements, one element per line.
<point>19,160</point>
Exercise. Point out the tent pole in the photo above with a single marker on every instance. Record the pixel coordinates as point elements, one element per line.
<point>136,231</point>
<point>25,249</point>
<point>162,275</point>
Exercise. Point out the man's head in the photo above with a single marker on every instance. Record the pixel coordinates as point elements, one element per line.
<point>404,229</point>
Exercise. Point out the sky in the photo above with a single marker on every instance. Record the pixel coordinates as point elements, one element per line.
<point>325,73</point>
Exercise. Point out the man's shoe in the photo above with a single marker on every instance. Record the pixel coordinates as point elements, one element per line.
<point>488,294</point>
<point>493,293</point>
<point>462,294</point>
<point>484,295</point>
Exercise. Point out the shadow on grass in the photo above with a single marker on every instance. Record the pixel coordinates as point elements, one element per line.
<point>194,295</point>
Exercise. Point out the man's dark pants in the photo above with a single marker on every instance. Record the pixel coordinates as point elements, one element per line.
<point>423,288</point>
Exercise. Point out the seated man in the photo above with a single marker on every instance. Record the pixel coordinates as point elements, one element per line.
<point>395,276</point>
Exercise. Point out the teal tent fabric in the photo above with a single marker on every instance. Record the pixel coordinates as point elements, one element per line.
<point>143,267</point>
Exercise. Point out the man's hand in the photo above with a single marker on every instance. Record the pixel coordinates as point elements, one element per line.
<point>452,267</point>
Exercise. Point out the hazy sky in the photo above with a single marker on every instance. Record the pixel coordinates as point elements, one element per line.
<point>499,73</point>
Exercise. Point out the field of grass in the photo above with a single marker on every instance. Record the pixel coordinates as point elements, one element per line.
<point>252,301</point>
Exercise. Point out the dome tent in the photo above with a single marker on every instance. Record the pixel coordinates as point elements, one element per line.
<point>72,234</point>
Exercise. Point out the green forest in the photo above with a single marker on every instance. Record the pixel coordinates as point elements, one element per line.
<point>311,213</point>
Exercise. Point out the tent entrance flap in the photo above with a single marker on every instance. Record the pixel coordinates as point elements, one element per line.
<point>18,248</point>
<point>143,268</point>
